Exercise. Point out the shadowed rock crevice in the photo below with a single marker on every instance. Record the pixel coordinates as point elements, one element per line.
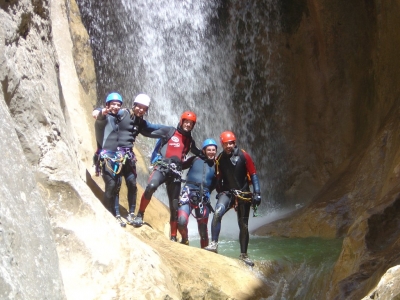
<point>7,94</point>
<point>40,7</point>
<point>25,24</point>
<point>293,12</point>
<point>384,228</point>
<point>5,4</point>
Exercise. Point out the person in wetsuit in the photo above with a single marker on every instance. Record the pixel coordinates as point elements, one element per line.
<point>176,144</point>
<point>200,182</point>
<point>235,170</point>
<point>116,131</point>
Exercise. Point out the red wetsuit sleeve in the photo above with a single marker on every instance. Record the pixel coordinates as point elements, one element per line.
<point>251,168</point>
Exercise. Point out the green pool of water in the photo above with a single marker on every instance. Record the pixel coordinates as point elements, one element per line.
<point>311,250</point>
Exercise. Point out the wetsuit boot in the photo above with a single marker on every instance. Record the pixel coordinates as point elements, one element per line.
<point>203,243</point>
<point>130,218</point>
<point>213,247</point>
<point>138,220</point>
<point>245,258</point>
<point>120,221</point>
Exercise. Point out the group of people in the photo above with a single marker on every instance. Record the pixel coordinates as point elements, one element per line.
<point>230,173</point>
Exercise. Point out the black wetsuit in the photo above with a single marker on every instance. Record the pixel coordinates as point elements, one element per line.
<point>232,174</point>
<point>117,133</point>
<point>200,182</point>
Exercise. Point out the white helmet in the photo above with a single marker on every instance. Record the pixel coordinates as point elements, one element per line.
<point>142,99</point>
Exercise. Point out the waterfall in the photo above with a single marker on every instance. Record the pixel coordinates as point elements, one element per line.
<point>218,59</point>
<point>215,58</point>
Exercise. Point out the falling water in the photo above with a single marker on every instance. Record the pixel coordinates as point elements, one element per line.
<point>217,58</point>
<point>213,57</point>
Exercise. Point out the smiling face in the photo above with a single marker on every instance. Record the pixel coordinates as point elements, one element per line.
<point>187,125</point>
<point>229,147</point>
<point>114,106</point>
<point>210,151</point>
<point>139,109</point>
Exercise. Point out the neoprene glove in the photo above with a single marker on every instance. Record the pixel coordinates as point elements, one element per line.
<point>256,199</point>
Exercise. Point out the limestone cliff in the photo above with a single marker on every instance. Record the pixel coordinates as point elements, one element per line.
<point>57,240</point>
<point>341,68</point>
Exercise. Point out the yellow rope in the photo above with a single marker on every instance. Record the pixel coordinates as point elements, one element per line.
<point>245,196</point>
<point>120,160</point>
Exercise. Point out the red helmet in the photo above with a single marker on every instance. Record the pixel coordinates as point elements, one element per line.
<point>227,136</point>
<point>188,115</point>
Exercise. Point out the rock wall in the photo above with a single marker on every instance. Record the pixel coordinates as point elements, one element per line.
<point>57,240</point>
<point>340,66</point>
<point>29,99</point>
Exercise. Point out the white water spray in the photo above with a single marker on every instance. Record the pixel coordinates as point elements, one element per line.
<point>212,57</point>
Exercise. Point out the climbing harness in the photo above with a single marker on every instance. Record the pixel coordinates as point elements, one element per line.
<point>112,160</point>
<point>243,196</point>
<point>169,165</point>
<point>115,160</point>
<point>193,197</point>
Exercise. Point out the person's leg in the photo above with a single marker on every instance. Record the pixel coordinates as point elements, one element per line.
<point>173,191</point>
<point>222,206</point>
<point>155,180</point>
<point>111,194</point>
<point>129,172</point>
<point>243,212</point>
<point>118,180</point>
<point>183,220</point>
<point>110,183</point>
<point>202,221</point>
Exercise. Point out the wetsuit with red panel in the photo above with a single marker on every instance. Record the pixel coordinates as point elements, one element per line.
<point>195,195</point>
<point>176,144</point>
<point>233,172</point>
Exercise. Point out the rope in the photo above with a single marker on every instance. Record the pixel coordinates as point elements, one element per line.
<point>120,161</point>
<point>245,196</point>
<point>170,166</point>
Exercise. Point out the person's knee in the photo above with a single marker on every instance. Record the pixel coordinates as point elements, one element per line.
<point>110,187</point>
<point>219,211</point>
<point>182,221</point>
<point>131,181</point>
<point>175,204</point>
<point>150,189</point>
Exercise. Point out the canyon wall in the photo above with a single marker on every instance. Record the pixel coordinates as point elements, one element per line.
<point>57,241</point>
<point>340,67</point>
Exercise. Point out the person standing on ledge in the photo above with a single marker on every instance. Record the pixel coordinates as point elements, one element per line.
<point>116,132</point>
<point>200,182</point>
<point>235,171</point>
<point>174,145</point>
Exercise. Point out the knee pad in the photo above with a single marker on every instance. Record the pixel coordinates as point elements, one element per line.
<point>150,189</point>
